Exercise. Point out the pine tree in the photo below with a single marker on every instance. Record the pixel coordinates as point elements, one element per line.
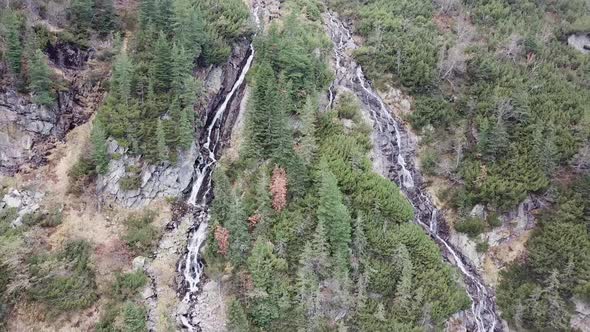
<point>104,17</point>
<point>185,130</point>
<point>404,289</point>
<point>238,228</point>
<point>121,80</point>
<point>163,16</point>
<point>100,154</point>
<point>40,76</point>
<point>162,64</point>
<point>162,148</point>
<point>237,320</point>
<point>222,204</point>
<point>189,27</point>
<point>82,15</point>
<point>334,215</point>
<point>359,244</point>
<point>15,46</point>
<point>147,13</point>
<point>182,64</point>
<point>308,141</point>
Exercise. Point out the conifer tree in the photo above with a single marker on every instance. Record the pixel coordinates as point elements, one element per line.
<point>147,12</point>
<point>82,15</point>
<point>403,293</point>
<point>334,215</point>
<point>237,318</point>
<point>222,204</point>
<point>15,46</point>
<point>181,67</point>
<point>121,80</point>
<point>308,141</point>
<point>161,147</point>
<point>100,154</point>
<point>237,225</point>
<point>162,19</point>
<point>40,76</point>
<point>162,64</point>
<point>189,27</point>
<point>185,130</point>
<point>104,16</point>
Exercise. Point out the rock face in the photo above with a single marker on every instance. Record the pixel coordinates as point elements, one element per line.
<point>27,129</point>
<point>580,41</point>
<point>155,181</point>
<point>22,202</point>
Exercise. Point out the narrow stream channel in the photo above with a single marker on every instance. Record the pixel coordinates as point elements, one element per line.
<point>398,153</point>
<point>191,267</point>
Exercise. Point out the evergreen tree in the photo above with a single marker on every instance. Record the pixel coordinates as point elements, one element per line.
<point>40,76</point>
<point>82,15</point>
<point>404,289</point>
<point>161,147</point>
<point>185,130</point>
<point>163,16</point>
<point>308,141</point>
<point>238,229</point>
<point>189,27</point>
<point>162,64</point>
<point>100,154</point>
<point>334,214</point>
<point>147,13</point>
<point>221,208</point>
<point>121,80</point>
<point>359,244</point>
<point>237,320</point>
<point>13,41</point>
<point>182,66</point>
<point>104,17</point>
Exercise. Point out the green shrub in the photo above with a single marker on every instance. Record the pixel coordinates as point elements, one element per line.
<point>134,318</point>
<point>81,174</point>
<point>428,162</point>
<point>482,246</point>
<point>470,226</point>
<point>130,182</point>
<point>494,220</point>
<point>49,218</point>
<point>7,216</point>
<point>64,281</point>
<point>141,235</point>
<point>127,285</point>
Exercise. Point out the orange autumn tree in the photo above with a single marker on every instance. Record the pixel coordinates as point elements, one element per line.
<point>278,188</point>
<point>222,238</point>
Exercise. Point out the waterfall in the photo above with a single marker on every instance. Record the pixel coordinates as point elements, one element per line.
<point>192,265</point>
<point>395,146</point>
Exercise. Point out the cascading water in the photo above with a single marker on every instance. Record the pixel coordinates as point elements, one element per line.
<point>191,266</point>
<point>394,145</point>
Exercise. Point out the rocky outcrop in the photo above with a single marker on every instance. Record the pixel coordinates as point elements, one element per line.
<point>20,203</point>
<point>27,130</point>
<point>580,41</point>
<point>156,181</point>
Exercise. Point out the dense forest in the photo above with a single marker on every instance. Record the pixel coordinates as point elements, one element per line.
<point>329,244</point>
<point>502,106</point>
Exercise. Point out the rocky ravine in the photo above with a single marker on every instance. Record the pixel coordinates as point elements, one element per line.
<point>394,157</point>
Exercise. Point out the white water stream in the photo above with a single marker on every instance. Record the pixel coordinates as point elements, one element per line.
<point>192,269</point>
<point>394,145</point>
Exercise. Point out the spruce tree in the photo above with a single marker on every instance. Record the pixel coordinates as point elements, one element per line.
<point>163,16</point>
<point>237,225</point>
<point>162,64</point>
<point>404,289</point>
<point>121,80</point>
<point>185,130</point>
<point>100,154</point>
<point>182,65</point>
<point>82,15</point>
<point>308,140</point>
<point>147,13</point>
<point>15,46</point>
<point>161,147</point>
<point>40,76</point>
<point>104,17</point>
<point>189,27</point>
<point>334,215</point>
<point>237,320</point>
